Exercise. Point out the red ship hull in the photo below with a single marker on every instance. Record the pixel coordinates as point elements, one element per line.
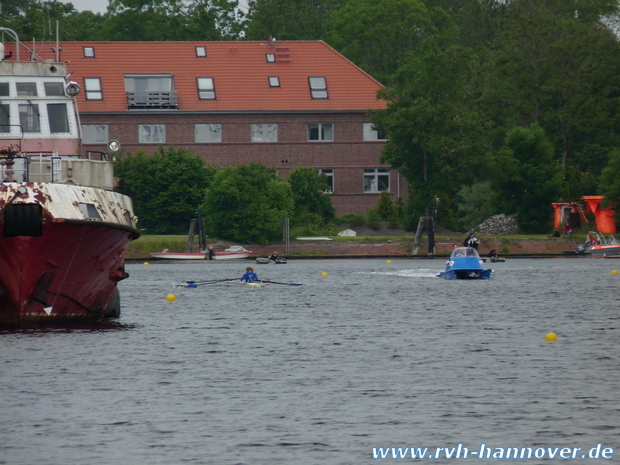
<point>67,275</point>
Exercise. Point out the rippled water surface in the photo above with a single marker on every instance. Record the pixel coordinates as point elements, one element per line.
<point>374,354</point>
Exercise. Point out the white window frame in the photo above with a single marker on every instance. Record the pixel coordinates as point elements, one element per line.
<point>89,52</point>
<point>206,88</point>
<point>265,132</point>
<point>207,133</point>
<point>329,172</point>
<point>274,81</point>
<point>318,87</point>
<point>152,133</point>
<point>323,132</point>
<point>92,87</point>
<point>371,134</point>
<point>375,179</point>
<point>270,57</point>
<point>201,51</point>
<point>95,134</point>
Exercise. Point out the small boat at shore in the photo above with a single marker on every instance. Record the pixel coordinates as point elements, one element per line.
<point>231,253</point>
<point>597,245</point>
<point>267,261</point>
<point>465,263</point>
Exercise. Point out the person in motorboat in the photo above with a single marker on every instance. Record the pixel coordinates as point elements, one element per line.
<point>249,276</point>
<point>211,252</point>
<point>274,257</point>
<point>471,241</point>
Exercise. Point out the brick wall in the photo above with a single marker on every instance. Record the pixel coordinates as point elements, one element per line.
<point>347,155</point>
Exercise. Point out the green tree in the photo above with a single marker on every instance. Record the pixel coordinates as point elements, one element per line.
<point>377,36</point>
<point>609,185</point>
<point>312,206</point>
<point>475,204</point>
<point>526,178</point>
<point>167,188</point>
<point>247,203</point>
<point>290,19</point>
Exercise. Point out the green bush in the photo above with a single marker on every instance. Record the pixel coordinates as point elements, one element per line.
<point>353,219</point>
<point>374,220</point>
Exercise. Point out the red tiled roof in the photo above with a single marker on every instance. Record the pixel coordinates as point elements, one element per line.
<point>240,71</point>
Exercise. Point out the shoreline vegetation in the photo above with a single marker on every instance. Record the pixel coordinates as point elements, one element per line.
<point>389,246</point>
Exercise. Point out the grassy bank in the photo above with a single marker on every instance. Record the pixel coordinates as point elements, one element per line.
<point>368,245</point>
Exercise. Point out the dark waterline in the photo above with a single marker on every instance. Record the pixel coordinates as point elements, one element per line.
<point>374,354</point>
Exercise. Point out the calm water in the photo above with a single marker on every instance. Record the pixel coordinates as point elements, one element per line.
<point>375,354</point>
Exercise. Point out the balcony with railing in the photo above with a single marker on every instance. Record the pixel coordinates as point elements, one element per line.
<point>152,100</point>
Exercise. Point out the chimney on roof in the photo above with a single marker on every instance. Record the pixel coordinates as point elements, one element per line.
<point>271,42</point>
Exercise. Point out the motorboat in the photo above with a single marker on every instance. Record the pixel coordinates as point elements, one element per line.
<point>465,263</point>
<point>597,245</point>
<point>231,253</point>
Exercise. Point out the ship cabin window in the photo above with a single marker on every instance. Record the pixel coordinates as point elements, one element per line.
<point>4,89</point>
<point>93,89</point>
<point>152,133</point>
<point>95,134</point>
<point>89,211</point>
<point>207,133</point>
<point>376,180</point>
<point>54,89</point>
<point>320,132</point>
<point>318,87</point>
<point>5,119</point>
<point>264,132</point>
<point>57,116</point>
<point>201,52</point>
<point>274,81</point>
<point>206,88</point>
<point>26,89</point>
<point>29,117</point>
<point>89,52</point>
<point>328,175</point>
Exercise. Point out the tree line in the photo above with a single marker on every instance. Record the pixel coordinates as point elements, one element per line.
<point>494,106</point>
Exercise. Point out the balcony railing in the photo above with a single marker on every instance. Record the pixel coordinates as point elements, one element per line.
<point>152,100</point>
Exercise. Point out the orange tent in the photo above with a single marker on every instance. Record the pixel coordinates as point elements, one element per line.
<point>604,220</point>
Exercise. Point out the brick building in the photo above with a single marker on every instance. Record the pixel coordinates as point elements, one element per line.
<point>285,104</point>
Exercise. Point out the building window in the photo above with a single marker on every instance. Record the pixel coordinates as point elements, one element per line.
<point>89,52</point>
<point>371,134</point>
<point>318,87</point>
<point>270,57</point>
<point>26,89</point>
<point>150,91</point>
<point>5,118</point>
<point>206,88</point>
<point>274,81</point>
<point>329,178</point>
<point>29,117</point>
<point>265,132</point>
<point>207,133</point>
<point>95,134</point>
<point>376,180</point>
<point>92,86</point>
<point>57,117</point>
<point>201,52</point>
<point>152,133</point>
<point>321,131</point>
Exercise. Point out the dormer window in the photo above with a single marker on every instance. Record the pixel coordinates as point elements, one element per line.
<point>201,51</point>
<point>206,88</point>
<point>274,81</point>
<point>318,87</point>
<point>92,86</point>
<point>89,52</point>
<point>270,57</point>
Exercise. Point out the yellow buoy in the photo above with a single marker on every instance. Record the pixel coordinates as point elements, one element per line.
<point>551,337</point>
<point>614,271</point>
<point>325,273</point>
<point>147,264</point>
<point>389,261</point>
<point>171,298</point>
